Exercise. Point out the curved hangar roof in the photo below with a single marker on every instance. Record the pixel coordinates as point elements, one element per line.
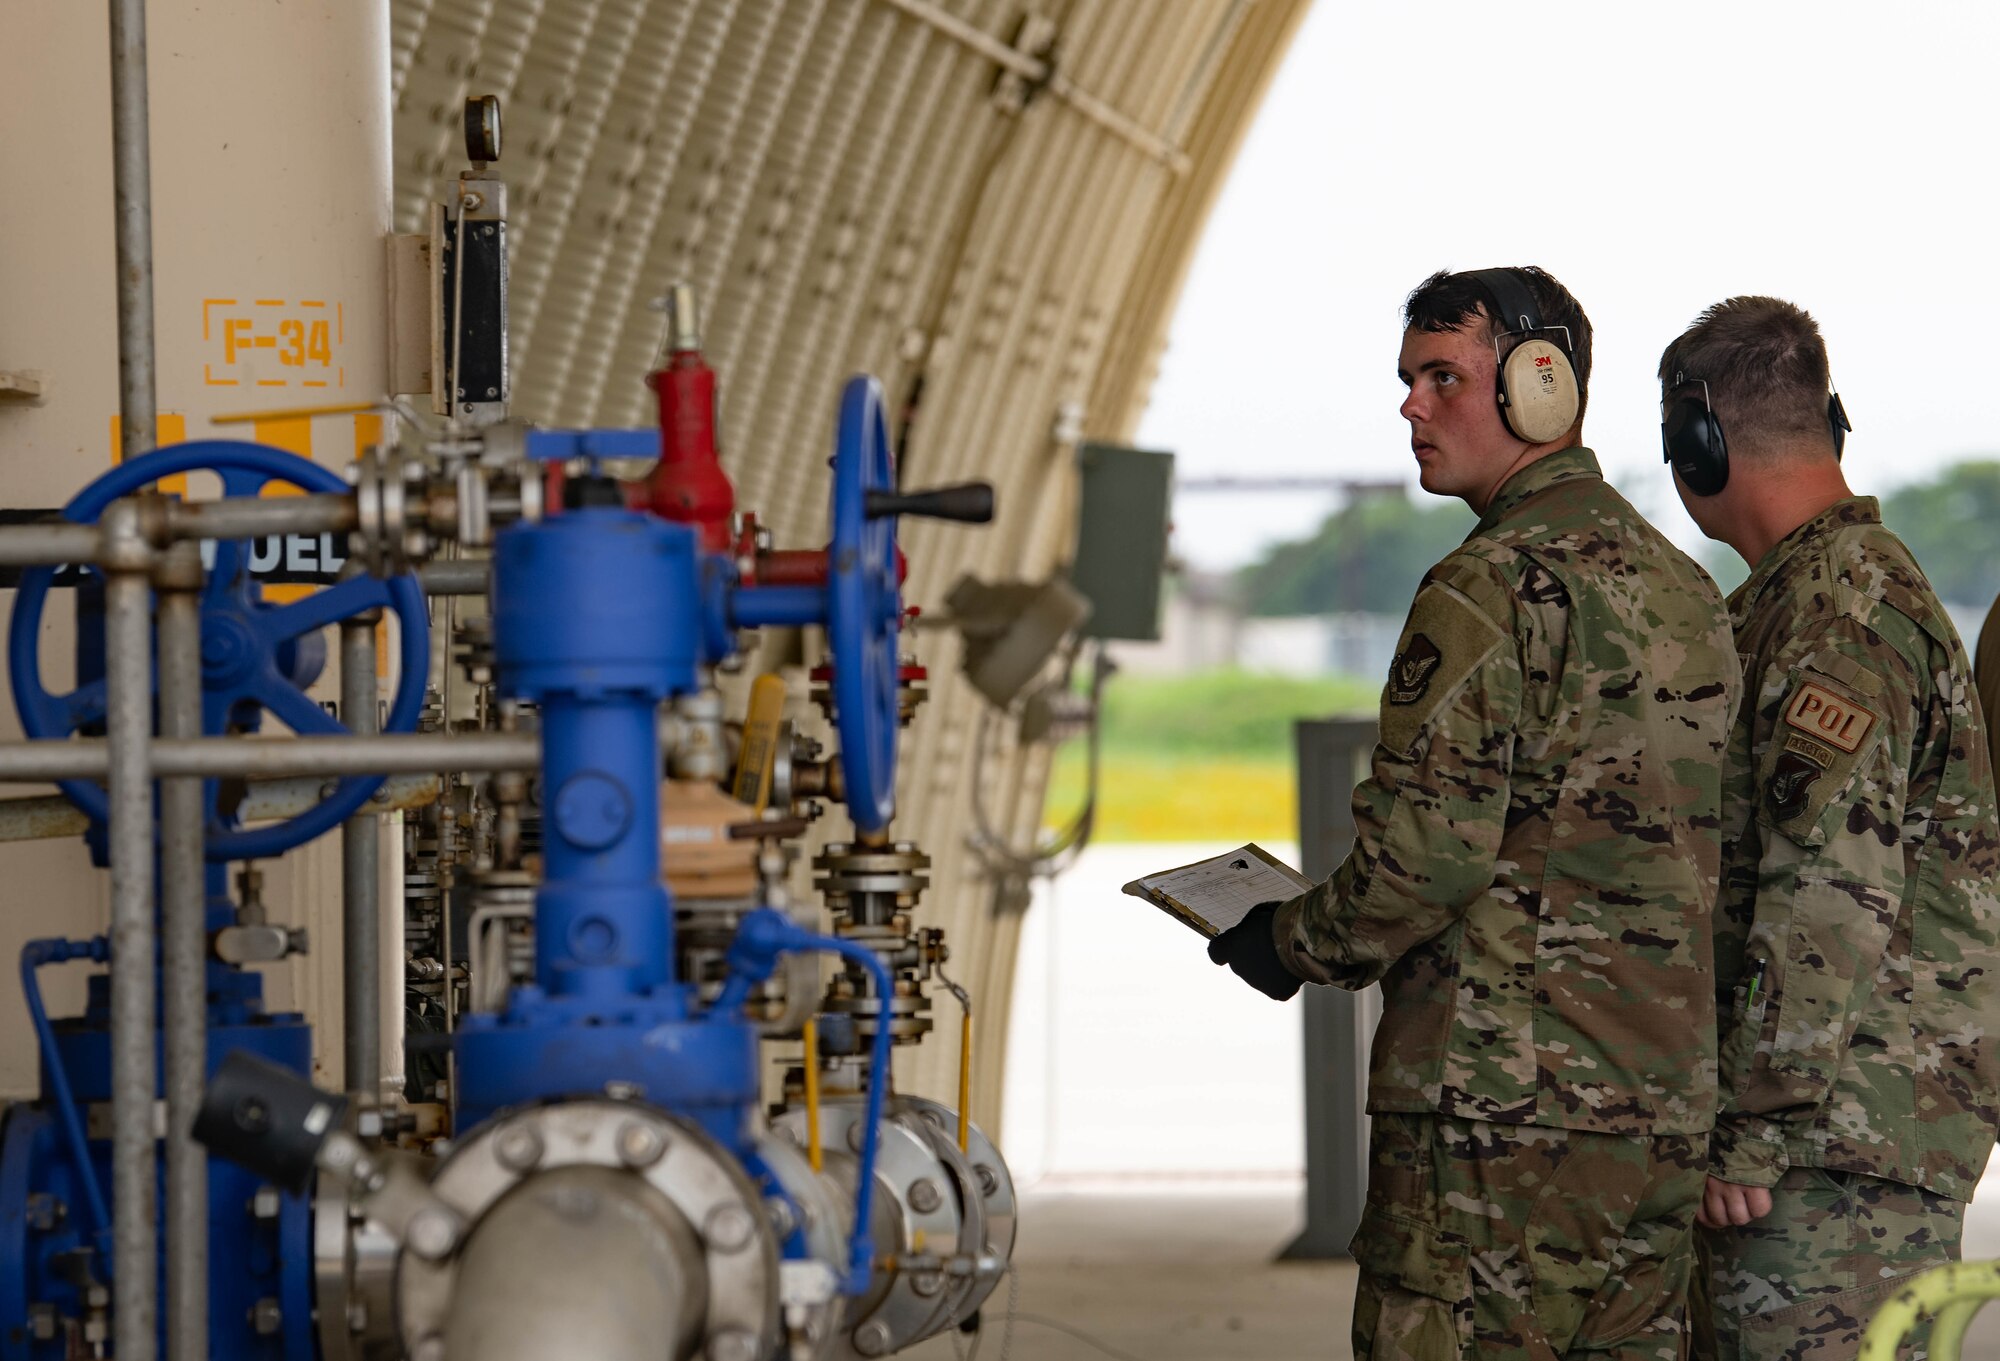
<point>985,204</point>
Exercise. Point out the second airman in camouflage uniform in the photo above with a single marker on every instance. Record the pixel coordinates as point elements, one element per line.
<point>1857,969</point>
<point>1534,868</point>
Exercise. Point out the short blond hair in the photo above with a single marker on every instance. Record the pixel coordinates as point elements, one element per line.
<point>1765,365</point>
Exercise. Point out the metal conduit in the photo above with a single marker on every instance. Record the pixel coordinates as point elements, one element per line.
<point>132,198</point>
<point>1059,84</point>
<point>222,757</point>
<point>361,879</point>
<point>129,714</point>
<point>51,816</point>
<point>183,961</point>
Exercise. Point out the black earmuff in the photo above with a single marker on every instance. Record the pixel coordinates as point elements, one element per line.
<point>1535,383</point>
<point>1691,439</point>
<point>1691,436</point>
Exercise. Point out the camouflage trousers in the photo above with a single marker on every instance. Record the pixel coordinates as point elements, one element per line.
<point>1522,1243</point>
<point>1804,1280</point>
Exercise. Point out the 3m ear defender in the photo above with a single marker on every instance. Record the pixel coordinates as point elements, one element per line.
<point>1691,436</point>
<point>1535,382</point>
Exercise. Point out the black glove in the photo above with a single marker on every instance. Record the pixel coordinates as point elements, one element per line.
<point>1250,949</point>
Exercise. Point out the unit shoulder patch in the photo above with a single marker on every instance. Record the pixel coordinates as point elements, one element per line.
<point>1822,737</point>
<point>1446,640</point>
<point>1410,674</point>
<point>1836,720</point>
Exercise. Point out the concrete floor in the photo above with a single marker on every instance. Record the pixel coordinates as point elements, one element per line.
<point>1162,1272</point>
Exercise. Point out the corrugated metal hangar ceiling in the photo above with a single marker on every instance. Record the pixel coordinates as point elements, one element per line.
<point>988,206</point>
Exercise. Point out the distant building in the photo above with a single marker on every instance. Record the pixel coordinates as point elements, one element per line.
<point>1203,628</point>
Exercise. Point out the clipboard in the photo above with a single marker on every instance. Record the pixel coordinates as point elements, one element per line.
<point>1210,896</point>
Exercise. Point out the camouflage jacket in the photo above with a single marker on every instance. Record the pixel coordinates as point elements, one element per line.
<point>1536,849</point>
<point>1858,932</point>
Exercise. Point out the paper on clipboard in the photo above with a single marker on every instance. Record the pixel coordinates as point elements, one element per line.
<point>1213,895</point>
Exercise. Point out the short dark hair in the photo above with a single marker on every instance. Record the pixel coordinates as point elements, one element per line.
<point>1448,301</point>
<point>1764,361</point>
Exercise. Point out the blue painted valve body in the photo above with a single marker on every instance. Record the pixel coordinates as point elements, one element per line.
<point>599,614</point>
<point>260,1248</point>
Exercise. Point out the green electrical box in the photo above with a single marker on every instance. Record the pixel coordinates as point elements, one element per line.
<point>1121,543</point>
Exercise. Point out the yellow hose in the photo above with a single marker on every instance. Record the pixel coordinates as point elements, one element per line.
<point>1950,1293</point>
<point>812,1096</point>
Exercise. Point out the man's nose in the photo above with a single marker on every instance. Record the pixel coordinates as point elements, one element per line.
<point>1414,408</point>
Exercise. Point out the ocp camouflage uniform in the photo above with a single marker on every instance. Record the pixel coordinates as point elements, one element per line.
<point>1857,940</point>
<point>1534,868</point>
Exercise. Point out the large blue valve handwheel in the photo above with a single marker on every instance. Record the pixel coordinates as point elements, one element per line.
<point>254,656</point>
<point>864,607</point>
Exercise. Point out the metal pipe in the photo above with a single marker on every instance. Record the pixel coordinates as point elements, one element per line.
<point>360,867</point>
<point>132,196</point>
<point>52,817</point>
<point>457,576</point>
<point>576,1234</point>
<point>257,517</point>
<point>47,545</point>
<point>223,757</point>
<point>184,966</point>
<point>1038,71</point>
<point>129,706</point>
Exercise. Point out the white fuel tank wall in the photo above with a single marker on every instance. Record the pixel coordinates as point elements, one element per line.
<point>270,143</point>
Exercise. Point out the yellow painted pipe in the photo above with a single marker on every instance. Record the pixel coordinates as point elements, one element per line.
<point>812,1096</point>
<point>1951,1294</point>
<point>293,413</point>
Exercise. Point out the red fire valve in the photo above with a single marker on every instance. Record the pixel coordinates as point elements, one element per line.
<point>688,486</point>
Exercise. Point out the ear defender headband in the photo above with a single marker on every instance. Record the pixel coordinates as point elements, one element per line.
<point>1691,436</point>
<point>1535,383</point>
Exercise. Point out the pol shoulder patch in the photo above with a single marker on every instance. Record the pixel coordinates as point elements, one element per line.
<point>1820,743</point>
<point>1446,640</point>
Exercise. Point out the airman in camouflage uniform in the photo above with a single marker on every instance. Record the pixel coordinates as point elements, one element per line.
<point>1857,969</point>
<point>1534,868</point>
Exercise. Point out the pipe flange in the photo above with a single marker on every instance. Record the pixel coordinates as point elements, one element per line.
<point>991,1184</point>
<point>901,1306</point>
<point>958,1281</point>
<point>354,1269</point>
<point>371,533</point>
<point>899,856</point>
<point>675,1157</point>
<point>909,1014</point>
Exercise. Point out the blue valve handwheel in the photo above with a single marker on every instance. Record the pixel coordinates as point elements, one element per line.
<point>864,607</point>
<point>255,656</point>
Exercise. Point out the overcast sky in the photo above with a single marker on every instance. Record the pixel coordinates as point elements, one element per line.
<point>1654,159</point>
